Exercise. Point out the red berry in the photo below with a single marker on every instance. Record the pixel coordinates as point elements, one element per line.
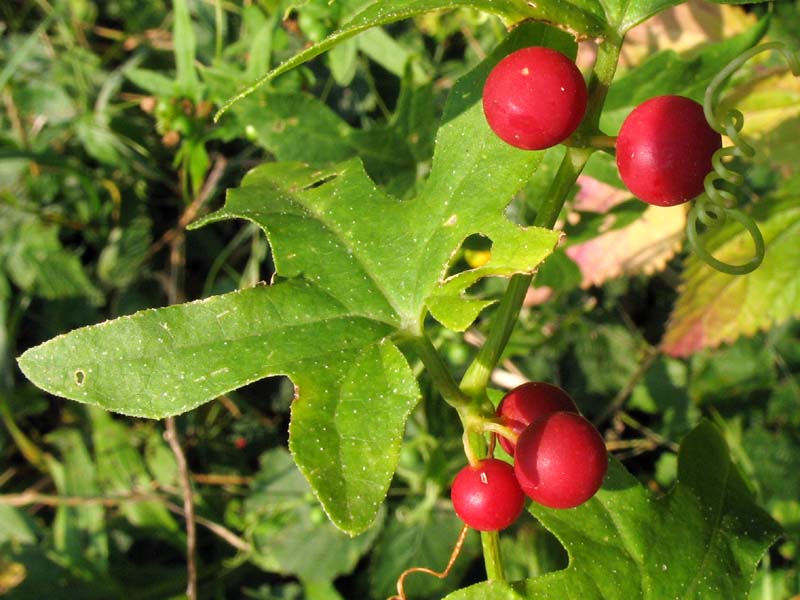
<point>527,402</point>
<point>534,98</point>
<point>560,460</point>
<point>240,442</point>
<point>664,150</point>
<point>487,497</point>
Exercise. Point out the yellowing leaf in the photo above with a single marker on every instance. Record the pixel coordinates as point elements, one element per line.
<point>714,307</point>
<point>770,102</point>
<point>11,575</point>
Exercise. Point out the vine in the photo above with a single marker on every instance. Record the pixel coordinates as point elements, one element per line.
<point>717,204</point>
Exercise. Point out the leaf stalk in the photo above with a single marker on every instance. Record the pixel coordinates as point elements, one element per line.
<point>439,373</point>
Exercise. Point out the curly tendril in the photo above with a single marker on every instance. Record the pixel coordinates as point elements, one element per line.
<point>717,204</point>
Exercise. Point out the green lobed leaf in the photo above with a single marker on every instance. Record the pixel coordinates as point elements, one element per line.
<point>160,362</point>
<point>156,363</point>
<point>361,266</point>
<point>347,427</point>
<point>391,264</point>
<point>703,540</point>
<point>714,307</point>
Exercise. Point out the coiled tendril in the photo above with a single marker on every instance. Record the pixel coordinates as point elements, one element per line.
<point>714,207</point>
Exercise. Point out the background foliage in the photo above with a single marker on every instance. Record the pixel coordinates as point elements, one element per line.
<point>108,151</point>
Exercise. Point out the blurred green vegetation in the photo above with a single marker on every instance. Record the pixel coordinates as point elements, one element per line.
<point>108,150</point>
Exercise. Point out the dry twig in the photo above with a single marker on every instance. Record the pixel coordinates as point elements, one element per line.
<point>188,508</point>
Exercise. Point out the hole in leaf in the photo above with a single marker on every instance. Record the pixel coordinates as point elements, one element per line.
<point>320,182</point>
<point>475,252</point>
<point>80,377</point>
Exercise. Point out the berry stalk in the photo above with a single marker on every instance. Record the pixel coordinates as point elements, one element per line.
<point>490,541</point>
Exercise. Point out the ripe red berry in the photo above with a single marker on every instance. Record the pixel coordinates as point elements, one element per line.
<point>534,98</point>
<point>560,460</point>
<point>487,497</point>
<point>664,150</point>
<point>527,402</point>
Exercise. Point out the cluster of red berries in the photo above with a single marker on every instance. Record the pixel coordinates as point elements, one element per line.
<point>533,99</point>
<point>560,460</point>
<point>536,98</point>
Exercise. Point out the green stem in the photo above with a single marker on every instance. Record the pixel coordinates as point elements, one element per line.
<point>468,408</point>
<point>439,373</point>
<point>571,166</point>
<point>600,80</point>
<point>491,556</point>
<point>477,377</point>
<point>603,142</point>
